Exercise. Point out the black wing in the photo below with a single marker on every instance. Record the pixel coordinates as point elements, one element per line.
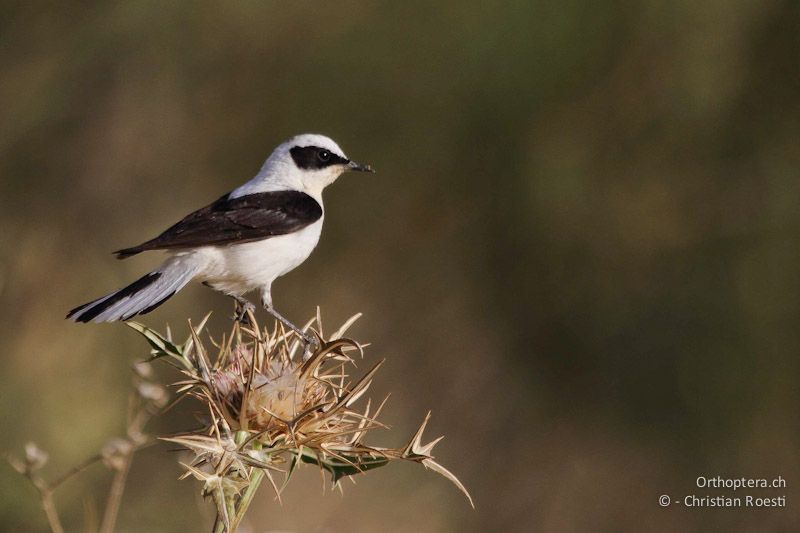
<point>235,220</point>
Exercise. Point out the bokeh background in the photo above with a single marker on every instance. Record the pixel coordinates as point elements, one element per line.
<point>581,249</point>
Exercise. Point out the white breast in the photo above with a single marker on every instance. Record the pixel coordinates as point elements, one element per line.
<point>240,268</point>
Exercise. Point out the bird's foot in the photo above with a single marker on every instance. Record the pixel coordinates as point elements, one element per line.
<point>240,314</point>
<point>311,341</point>
<point>312,345</point>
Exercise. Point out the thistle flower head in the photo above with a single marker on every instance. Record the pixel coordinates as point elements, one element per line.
<point>271,406</point>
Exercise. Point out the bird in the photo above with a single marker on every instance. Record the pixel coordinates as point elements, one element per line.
<point>241,242</point>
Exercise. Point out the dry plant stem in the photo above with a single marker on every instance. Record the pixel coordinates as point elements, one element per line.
<point>137,420</point>
<point>75,470</point>
<point>147,400</point>
<point>46,495</point>
<point>46,490</point>
<point>50,511</point>
<point>115,496</point>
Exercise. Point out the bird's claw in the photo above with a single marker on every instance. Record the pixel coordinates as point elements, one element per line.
<point>311,340</point>
<point>241,316</point>
<point>312,345</point>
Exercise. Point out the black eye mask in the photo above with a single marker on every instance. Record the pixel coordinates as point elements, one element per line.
<point>314,157</point>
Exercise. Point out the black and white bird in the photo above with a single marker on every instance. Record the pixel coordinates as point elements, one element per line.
<point>241,242</point>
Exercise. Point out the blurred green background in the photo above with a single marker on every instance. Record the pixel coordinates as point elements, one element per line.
<point>581,249</point>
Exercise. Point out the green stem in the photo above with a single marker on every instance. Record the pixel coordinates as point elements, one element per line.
<point>255,480</point>
<point>237,507</point>
<point>219,523</point>
<point>256,476</point>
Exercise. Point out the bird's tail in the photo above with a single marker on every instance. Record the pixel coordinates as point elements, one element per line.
<point>138,298</point>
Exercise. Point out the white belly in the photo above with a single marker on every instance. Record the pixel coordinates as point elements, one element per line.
<point>240,268</point>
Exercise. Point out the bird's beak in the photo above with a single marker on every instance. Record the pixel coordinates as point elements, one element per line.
<point>358,167</point>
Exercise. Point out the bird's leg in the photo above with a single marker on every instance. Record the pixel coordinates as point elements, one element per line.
<point>242,307</point>
<point>310,340</point>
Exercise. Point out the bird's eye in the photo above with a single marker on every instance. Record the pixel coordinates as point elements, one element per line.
<point>324,156</point>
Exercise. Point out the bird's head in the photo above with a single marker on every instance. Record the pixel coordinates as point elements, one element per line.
<point>310,162</point>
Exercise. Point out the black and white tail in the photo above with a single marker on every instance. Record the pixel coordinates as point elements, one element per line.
<point>138,298</point>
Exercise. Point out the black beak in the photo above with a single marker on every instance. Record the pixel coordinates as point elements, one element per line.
<point>358,167</point>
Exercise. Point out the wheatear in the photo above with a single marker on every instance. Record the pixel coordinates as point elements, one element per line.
<point>243,241</point>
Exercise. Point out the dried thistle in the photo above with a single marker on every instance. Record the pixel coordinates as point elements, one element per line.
<point>272,406</point>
